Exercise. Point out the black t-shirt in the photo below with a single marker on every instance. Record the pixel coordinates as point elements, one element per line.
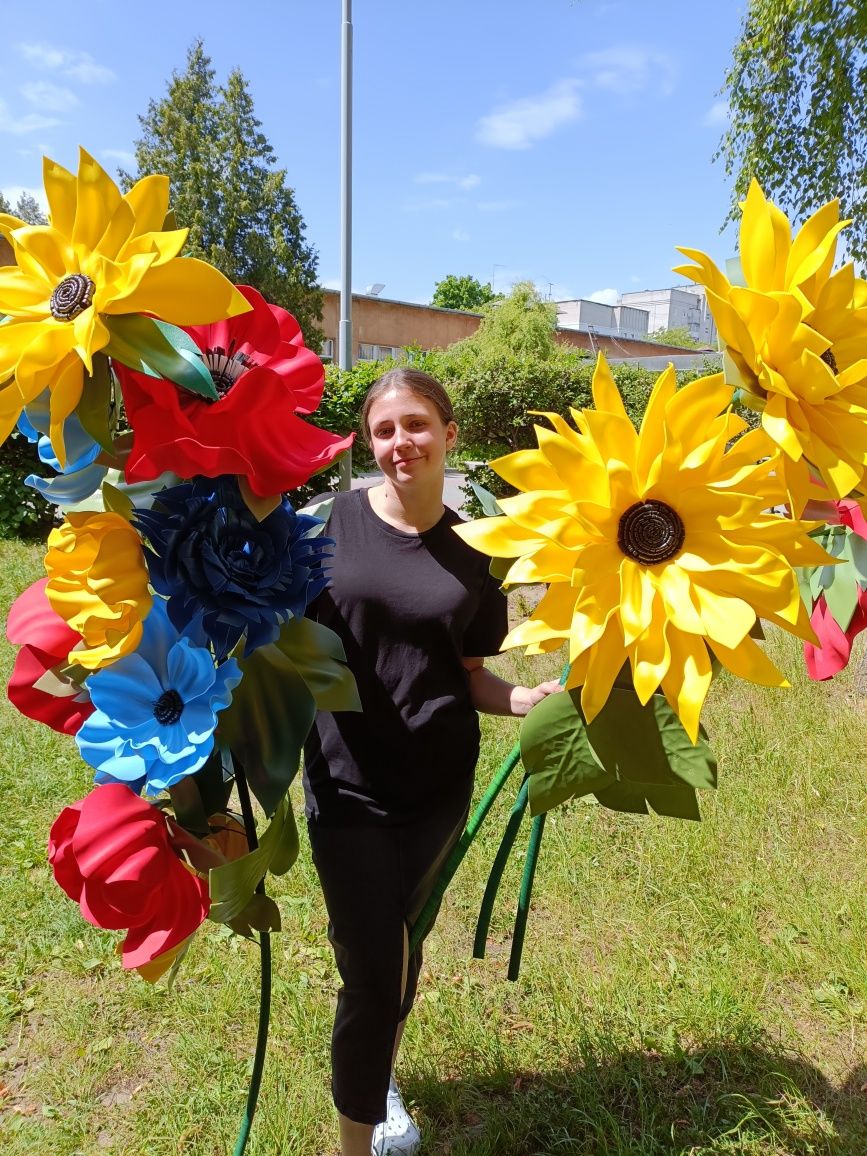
<point>408,608</point>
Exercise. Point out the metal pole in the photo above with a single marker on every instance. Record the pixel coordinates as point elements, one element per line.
<point>344,338</point>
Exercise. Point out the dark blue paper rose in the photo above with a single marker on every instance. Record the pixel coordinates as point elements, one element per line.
<point>225,574</point>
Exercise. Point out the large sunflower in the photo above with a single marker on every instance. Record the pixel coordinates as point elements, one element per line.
<point>796,342</point>
<point>657,545</point>
<point>102,254</point>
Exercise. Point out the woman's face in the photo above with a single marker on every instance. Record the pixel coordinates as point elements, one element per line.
<point>408,436</point>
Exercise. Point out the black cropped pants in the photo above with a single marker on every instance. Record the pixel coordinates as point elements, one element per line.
<point>376,880</point>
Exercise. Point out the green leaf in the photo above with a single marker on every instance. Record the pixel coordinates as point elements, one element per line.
<point>116,501</point>
<point>557,755</point>
<point>319,509</point>
<point>159,350</point>
<point>858,550</point>
<point>318,655</point>
<point>94,408</point>
<point>267,722</point>
<point>487,500</point>
<point>678,801</point>
<point>734,271</point>
<point>233,885</point>
<point>260,914</point>
<point>842,598</point>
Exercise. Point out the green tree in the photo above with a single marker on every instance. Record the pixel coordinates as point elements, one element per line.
<point>521,324</point>
<point>27,209</point>
<point>798,115</point>
<point>227,190</point>
<point>677,336</point>
<point>466,293</point>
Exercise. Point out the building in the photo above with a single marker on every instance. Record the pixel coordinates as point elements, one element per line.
<point>382,327</point>
<point>681,307</point>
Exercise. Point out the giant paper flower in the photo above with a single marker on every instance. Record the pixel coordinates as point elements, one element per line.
<point>225,573</point>
<point>656,544</point>
<point>82,475</point>
<point>98,584</point>
<point>265,377</point>
<point>796,342</point>
<point>103,254</point>
<point>156,710</point>
<point>835,644</point>
<point>111,852</point>
<point>37,687</point>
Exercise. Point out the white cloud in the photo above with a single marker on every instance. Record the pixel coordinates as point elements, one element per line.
<point>460,235</point>
<point>497,206</point>
<point>13,192</point>
<point>122,156</point>
<point>20,125</point>
<point>521,122</point>
<point>69,62</point>
<point>48,97</point>
<point>629,68</point>
<point>717,116</point>
<point>634,280</point>
<point>470,181</point>
<point>604,296</point>
<point>427,204</point>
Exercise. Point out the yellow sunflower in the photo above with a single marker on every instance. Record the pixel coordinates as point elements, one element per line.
<point>102,254</point>
<point>657,545</point>
<point>796,342</point>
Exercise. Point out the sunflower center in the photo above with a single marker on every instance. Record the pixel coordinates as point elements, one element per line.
<point>72,296</point>
<point>226,366</point>
<point>168,708</point>
<point>650,532</point>
<point>830,360</point>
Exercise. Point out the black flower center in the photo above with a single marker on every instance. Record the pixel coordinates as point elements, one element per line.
<point>72,296</point>
<point>650,532</point>
<point>226,366</point>
<point>830,360</point>
<point>168,708</point>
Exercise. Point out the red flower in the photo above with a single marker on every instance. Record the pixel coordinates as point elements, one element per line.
<point>112,854</point>
<point>835,645</point>
<point>45,640</point>
<point>265,376</point>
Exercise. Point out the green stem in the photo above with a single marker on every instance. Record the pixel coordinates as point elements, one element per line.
<point>524,898</point>
<point>265,983</point>
<point>497,869</point>
<point>422,924</point>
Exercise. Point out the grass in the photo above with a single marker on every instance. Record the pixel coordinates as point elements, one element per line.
<point>686,988</point>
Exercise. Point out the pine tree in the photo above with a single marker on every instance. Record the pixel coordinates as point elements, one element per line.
<point>27,209</point>
<point>225,188</point>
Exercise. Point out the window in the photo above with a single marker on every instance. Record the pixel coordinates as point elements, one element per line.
<point>327,350</point>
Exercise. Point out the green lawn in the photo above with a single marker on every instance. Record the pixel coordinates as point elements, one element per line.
<point>686,988</point>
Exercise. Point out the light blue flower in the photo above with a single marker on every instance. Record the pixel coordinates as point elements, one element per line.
<point>156,709</point>
<point>81,476</point>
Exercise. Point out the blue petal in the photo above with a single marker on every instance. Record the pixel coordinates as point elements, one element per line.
<point>69,488</point>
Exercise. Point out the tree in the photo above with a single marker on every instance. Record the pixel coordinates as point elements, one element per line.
<point>521,324</point>
<point>27,209</point>
<point>238,206</point>
<point>678,336</point>
<point>466,293</point>
<point>798,117</point>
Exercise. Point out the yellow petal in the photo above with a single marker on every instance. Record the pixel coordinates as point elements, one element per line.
<point>183,292</point>
<point>766,239</point>
<point>97,200</point>
<point>606,395</point>
<point>61,193</point>
<point>149,201</point>
<point>749,661</point>
<point>605,663</point>
<point>498,537</point>
<point>688,679</point>
<point>527,470</point>
<point>637,595</point>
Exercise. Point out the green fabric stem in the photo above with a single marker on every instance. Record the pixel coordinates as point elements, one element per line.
<point>497,869</point>
<point>524,898</point>
<point>422,924</point>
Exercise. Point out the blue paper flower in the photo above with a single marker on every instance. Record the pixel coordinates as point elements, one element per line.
<point>225,574</point>
<point>156,709</point>
<point>81,476</point>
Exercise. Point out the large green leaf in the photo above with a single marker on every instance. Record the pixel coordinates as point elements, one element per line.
<point>267,722</point>
<point>842,595</point>
<point>486,500</point>
<point>629,756</point>
<point>94,408</point>
<point>233,885</point>
<point>318,655</point>
<point>159,350</point>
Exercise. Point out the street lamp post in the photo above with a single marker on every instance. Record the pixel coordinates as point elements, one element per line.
<point>344,339</point>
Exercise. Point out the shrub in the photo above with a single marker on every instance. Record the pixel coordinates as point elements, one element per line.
<point>23,512</point>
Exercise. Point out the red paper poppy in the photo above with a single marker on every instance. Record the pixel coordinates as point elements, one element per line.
<point>265,376</point>
<point>111,853</point>
<point>835,645</point>
<point>45,642</point>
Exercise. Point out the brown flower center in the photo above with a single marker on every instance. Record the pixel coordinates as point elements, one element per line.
<point>72,296</point>
<point>830,360</point>
<point>226,366</point>
<point>650,532</point>
<point>168,708</point>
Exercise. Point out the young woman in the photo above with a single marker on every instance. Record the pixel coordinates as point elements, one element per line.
<point>388,790</point>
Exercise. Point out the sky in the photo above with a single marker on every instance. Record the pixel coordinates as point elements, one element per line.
<point>568,142</point>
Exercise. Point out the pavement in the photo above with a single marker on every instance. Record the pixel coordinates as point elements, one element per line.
<point>452,492</point>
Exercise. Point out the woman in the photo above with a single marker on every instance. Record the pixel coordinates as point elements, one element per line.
<point>388,790</point>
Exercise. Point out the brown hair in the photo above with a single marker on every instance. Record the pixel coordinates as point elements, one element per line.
<point>417,382</point>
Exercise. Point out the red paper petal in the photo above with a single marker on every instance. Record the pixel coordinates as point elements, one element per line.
<point>32,622</point>
<point>64,714</point>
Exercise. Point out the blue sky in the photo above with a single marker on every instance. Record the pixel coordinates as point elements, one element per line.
<point>566,141</point>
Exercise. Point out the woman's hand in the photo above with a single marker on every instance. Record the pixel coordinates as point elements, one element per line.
<point>524,698</point>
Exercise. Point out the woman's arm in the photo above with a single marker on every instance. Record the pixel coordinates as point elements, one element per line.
<point>492,695</point>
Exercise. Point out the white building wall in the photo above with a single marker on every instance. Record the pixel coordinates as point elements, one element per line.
<point>678,307</point>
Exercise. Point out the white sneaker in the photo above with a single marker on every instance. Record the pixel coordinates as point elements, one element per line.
<point>397,1135</point>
